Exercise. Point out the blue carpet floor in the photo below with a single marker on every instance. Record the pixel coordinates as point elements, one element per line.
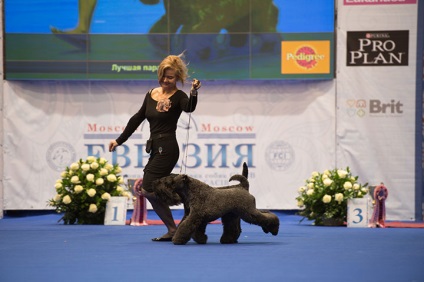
<point>37,248</point>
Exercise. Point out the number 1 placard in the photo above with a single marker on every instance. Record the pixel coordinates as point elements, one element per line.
<point>116,211</point>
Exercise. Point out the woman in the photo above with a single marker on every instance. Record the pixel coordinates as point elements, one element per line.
<point>162,108</point>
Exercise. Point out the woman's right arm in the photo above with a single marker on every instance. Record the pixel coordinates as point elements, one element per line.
<point>132,125</point>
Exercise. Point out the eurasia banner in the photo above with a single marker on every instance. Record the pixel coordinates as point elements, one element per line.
<point>283,131</point>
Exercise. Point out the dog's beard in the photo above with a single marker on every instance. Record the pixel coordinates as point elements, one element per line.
<point>166,194</point>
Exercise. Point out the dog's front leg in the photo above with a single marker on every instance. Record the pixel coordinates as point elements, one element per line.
<point>199,235</point>
<point>186,212</point>
<point>184,231</point>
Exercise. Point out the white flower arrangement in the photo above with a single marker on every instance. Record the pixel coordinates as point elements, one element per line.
<point>325,195</point>
<point>84,189</point>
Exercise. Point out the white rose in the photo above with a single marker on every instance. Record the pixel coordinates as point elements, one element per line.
<point>109,167</point>
<point>91,159</point>
<point>356,186</point>
<point>300,203</point>
<point>58,185</point>
<point>327,182</point>
<point>342,173</point>
<point>121,180</point>
<point>314,174</point>
<point>57,198</point>
<point>85,167</point>
<point>119,189</point>
<point>59,181</point>
<point>327,172</point>
<point>102,161</point>
<point>90,177</point>
<point>94,165</point>
<point>118,169</point>
<point>310,185</point>
<point>91,192</point>
<point>310,192</point>
<point>92,208</point>
<point>106,196</point>
<point>99,181</point>
<point>63,174</point>
<point>364,190</point>
<point>66,200</point>
<point>338,197</point>
<point>301,189</point>
<point>78,189</point>
<point>359,194</point>
<point>111,178</point>
<point>347,185</point>
<point>326,199</point>
<point>75,179</point>
<point>103,172</point>
<point>126,194</point>
<point>74,166</point>
<point>324,177</point>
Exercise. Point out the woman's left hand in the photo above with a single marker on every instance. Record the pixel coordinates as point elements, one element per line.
<point>195,84</point>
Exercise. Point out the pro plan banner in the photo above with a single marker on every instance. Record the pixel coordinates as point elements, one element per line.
<point>376,98</point>
<point>377,48</point>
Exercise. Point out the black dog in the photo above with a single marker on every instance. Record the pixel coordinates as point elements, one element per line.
<point>203,204</point>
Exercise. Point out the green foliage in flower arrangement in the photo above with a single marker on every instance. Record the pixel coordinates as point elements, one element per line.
<point>84,189</point>
<point>325,195</point>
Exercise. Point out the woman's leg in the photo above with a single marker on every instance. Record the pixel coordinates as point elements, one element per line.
<point>164,213</point>
<point>158,166</point>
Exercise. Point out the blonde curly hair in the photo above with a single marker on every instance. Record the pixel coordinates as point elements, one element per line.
<point>176,63</point>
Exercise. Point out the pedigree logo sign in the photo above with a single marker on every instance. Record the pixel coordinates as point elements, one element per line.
<point>305,57</point>
<point>377,48</point>
<point>378,2</point>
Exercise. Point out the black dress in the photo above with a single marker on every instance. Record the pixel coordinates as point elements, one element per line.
<point>163,125</point>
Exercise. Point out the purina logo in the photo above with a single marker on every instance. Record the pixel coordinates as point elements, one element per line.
<point>377,48</point>
<point>374,107</point>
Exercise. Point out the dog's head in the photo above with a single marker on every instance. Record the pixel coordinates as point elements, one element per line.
<point>164,188</point>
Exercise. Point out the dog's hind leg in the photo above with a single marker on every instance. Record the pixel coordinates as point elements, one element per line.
<point>232,228</point>
<point>267,220</point>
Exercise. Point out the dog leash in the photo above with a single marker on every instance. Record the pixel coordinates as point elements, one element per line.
<point>184,160</point>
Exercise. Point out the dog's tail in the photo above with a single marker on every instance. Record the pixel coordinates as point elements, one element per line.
<point>242,178</point>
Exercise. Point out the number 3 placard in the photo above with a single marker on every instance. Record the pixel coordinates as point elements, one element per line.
<point>116,211</point>
<point>359,211</point>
